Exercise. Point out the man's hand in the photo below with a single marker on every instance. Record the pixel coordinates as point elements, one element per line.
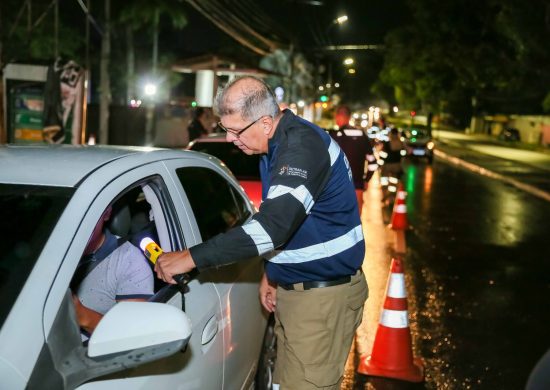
<point>268,294</point>
<point>87,318</point>
<point>173,263</point>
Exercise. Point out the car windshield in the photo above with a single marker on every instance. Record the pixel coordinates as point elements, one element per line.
<point>244,167</point>
<point>29,214</point>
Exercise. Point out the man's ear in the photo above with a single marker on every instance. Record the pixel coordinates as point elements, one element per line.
<point>267,124</point>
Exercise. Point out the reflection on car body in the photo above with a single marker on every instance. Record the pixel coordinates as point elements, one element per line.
<point>52,198</point>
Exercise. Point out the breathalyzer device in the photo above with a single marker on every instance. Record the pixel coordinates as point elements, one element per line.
<point>152,251</point>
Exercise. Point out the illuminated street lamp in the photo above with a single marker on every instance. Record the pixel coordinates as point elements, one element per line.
<point>150,89</point>
<point>348,61</point>
<point>338,21</point>
<point>341,19</point>
<point>351,71</point>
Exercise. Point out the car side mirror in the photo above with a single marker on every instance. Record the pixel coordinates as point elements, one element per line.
<point>129,335</point>
<point>135,325</point>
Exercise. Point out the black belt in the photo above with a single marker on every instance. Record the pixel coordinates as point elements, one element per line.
<point>318,284</point>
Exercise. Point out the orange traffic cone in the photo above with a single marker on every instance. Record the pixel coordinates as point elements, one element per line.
<point>399,214</point>
<point>391,355</point>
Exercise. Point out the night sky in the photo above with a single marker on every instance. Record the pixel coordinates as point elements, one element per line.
<point>308,26</point>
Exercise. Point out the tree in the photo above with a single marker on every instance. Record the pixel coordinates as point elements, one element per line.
<point>29,32</point>
<point>146,14</point>
<point>457,52</point>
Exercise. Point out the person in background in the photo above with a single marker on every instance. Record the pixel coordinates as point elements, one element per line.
<point>201,124</point>
<point>308,229</point>
<point>358,148</point>
<point>393,148</point>
<point>392,154</point>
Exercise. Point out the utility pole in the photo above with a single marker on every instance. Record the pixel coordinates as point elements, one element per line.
<point>105,86</point>
<point>56,29</point>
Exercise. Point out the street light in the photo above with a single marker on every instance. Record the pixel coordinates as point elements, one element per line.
<point>150,89</point>
<point>338,21</point>
<point>341,19</point>
<point>348,61</point>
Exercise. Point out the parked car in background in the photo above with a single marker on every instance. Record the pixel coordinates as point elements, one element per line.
<point>245,168</point>
<point>418,142</point>
<point>205,335</point>
<point>509,134</point>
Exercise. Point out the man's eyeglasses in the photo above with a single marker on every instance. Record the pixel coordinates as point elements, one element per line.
<point>237,133</point>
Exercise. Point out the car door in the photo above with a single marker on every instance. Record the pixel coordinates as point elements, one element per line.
<point>202,300</point>
<point>218,206</point>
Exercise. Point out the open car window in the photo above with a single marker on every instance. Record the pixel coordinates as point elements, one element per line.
<point>216,204</point>
<point>142,210</point>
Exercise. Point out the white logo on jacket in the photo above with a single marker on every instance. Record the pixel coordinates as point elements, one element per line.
<point>292,171</point>
<point>348,167</point>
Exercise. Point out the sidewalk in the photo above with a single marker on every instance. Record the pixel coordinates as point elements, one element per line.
<point>525,153</point>
<point>459,148</point>
<point>492,139</point>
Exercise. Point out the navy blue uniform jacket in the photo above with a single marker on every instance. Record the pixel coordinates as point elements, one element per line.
<point>308,226</point>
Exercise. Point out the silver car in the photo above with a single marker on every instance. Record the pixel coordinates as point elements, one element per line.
<point>207,334</point>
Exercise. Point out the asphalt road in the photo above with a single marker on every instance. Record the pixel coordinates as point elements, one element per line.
<point>477,269</point>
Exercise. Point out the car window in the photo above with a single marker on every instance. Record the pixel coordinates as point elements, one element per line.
<point>113,267</point>
<point>244,167</point>
<point>216,204</point>
<point>29,214</point>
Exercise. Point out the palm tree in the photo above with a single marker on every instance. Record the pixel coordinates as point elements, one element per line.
<point>147,14</point>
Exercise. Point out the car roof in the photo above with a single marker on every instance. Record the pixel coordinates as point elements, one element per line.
<point>67,165</point>
<point>215,137</point>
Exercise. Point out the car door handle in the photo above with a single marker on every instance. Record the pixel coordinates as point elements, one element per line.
<point>209,331</point>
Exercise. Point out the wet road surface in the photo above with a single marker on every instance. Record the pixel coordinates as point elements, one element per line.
<point>478,280</point>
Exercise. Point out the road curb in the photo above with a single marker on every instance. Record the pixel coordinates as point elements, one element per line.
<point>486,172</point>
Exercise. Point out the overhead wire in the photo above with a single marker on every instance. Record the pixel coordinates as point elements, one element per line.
<point>258,18</point>
<point>238,23</point>
<point>228,30</point>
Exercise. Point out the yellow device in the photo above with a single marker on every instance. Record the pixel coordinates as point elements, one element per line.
<point>151,249</point>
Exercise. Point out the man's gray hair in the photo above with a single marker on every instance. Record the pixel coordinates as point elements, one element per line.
<point>251,103</point>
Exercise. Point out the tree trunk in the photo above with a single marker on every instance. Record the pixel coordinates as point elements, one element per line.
<point>130,64</point>
<point>155,42</point>
<point>3,135</point>
<point>104,85</point>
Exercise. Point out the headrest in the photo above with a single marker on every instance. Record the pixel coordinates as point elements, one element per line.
<point>120,222</point>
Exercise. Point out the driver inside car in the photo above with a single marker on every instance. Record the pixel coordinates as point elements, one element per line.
<point>111,270</point>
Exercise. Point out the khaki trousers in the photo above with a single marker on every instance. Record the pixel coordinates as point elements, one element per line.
<point>315,329</point>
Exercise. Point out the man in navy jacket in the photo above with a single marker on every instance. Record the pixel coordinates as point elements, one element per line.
<point>308,230</point>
